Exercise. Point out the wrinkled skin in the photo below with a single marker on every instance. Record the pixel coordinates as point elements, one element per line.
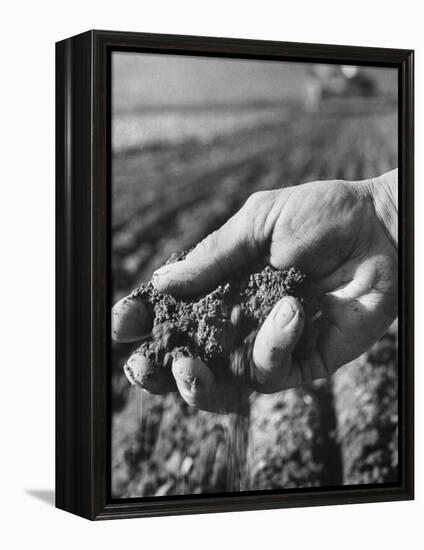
<point>342,235</point>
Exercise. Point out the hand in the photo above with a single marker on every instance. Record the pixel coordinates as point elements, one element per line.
<point>342,235</point>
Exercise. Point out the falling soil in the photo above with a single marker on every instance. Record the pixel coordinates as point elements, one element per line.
<point>220,327</point>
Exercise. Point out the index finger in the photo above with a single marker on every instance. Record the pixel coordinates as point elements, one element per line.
<point>216,258</point>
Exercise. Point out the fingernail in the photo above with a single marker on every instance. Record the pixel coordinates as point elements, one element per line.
<point>284,314</point>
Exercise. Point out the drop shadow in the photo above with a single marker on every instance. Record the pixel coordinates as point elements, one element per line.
<point>45,495</point>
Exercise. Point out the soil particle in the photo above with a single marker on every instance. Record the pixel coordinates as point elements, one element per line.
<point>214,325</point>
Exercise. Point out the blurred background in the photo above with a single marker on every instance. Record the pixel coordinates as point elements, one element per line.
<point>192,138</point>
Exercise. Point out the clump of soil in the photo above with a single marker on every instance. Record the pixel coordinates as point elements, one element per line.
<point>214,326</point>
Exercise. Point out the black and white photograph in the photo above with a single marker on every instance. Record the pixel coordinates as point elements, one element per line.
<point>211,235</point>
<point>254,276</point>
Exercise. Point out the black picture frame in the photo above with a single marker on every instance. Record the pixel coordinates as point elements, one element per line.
<point>82,272</point>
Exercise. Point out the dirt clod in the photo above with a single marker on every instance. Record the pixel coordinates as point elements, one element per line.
<point>214,325</point>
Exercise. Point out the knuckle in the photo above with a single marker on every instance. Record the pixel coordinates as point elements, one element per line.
<point>255,213</point>
<point>255,200</point>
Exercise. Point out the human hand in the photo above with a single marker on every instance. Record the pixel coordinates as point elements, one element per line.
<point>341,235</point>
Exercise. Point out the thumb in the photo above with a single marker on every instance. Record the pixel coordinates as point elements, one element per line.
<point>213,260</point>
<point>274,344</point>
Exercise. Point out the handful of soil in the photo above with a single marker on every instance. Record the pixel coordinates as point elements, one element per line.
<point>218,327</point>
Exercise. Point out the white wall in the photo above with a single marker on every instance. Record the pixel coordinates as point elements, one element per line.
<point>29,30</point>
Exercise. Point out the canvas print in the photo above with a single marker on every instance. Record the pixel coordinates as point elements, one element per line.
<point>254,276</point>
